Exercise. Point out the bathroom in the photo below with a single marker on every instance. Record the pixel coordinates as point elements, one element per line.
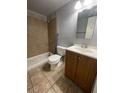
<point>61,34</point>
<point>61,46</point>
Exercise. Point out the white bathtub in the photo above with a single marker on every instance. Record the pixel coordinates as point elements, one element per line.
<point>37,60</point>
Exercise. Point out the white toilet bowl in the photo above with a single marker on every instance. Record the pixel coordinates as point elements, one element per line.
<point>53,61</point>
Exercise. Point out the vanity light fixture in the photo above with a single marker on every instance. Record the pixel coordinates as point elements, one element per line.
<point>78,5</point>
<point>87,2</point>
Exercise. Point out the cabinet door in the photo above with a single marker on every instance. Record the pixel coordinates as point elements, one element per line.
<point>70,64</point>
<point>86,73</point>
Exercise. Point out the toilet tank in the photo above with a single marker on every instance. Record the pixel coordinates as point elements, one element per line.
<point>61,50</point>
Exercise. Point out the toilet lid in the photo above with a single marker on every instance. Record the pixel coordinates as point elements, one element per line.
<point>54,58</point>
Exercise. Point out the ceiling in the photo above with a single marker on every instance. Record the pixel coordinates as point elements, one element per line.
<point>45,7</point>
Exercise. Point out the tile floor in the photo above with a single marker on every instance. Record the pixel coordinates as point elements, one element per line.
<point>42,80</point>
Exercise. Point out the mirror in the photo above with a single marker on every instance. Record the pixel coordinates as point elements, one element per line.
<point>86,23</point>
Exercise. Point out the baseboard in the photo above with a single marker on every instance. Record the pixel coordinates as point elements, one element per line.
<point>36,61</point>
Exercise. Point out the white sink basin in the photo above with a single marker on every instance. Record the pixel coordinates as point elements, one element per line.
<point>84,49</point>
<point>91,50</point>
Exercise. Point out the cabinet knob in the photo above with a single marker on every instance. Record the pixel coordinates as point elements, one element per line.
<point>79,58</point>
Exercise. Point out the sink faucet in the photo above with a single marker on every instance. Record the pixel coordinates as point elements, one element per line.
<point>84,45</point>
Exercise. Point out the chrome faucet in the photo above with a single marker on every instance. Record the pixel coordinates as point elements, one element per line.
<point>84,45</point>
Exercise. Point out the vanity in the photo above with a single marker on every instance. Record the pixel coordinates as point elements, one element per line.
<point>81,60</point>
<point>81,66</point>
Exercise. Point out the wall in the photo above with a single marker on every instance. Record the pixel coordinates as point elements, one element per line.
<point>37,36</point>
<point>67,26</point>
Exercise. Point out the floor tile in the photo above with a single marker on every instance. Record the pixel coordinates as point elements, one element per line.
<point>42,87</point>
<point>37,79</point>
<point>53,76</point>
<point>37,76</point>
<point>61,86</point>
<point>51,90</point>
<point>74,89</point>
<point>29,84</point>
<point>65,85</point>
<point>43,80</point>
<point>30,90</point>
<point>34,71</point>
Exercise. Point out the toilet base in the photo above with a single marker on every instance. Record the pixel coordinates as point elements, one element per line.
<point>53,66</point>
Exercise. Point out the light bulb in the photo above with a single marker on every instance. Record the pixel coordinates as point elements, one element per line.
<point>78,5</point>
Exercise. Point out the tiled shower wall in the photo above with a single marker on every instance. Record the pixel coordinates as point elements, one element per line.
<point>37,36</point>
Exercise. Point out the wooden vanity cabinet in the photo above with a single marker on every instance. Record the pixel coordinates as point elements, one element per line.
<point>81,69</point>
<point>86,72</point>
<point>70,64</point>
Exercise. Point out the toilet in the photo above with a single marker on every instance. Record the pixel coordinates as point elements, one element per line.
<point>54,59</point>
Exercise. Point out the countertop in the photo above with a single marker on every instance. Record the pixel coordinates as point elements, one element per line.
<point>90,51</point>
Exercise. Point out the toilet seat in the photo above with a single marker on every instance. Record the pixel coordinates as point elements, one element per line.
<point>54,59</point>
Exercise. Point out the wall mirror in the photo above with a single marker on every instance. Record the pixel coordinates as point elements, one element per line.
<point>86,23</point>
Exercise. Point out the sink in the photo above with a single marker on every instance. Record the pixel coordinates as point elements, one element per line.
<point>91,50</point>
<point>88,50</point>
<point>78,47</point>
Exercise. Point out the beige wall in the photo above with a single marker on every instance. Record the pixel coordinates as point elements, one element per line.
<point>37,36</point>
